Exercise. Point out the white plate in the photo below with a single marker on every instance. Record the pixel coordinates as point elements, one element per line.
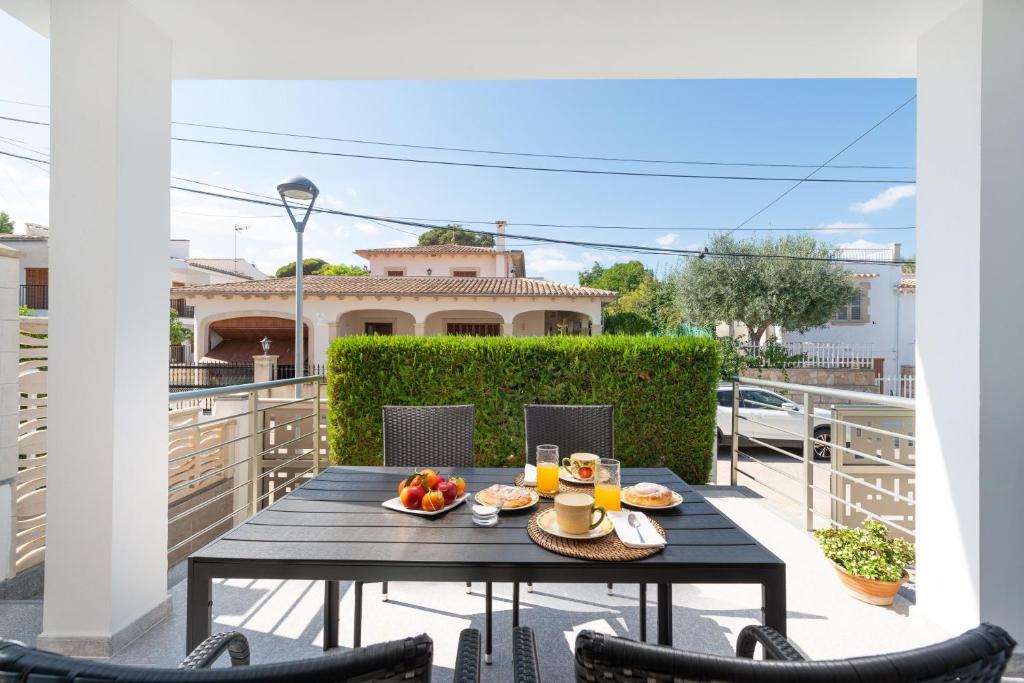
<point>548,522</point>
<point>533,495</point>
<point>566,475</point>
<point>677,499</point>
<point>396,504</point>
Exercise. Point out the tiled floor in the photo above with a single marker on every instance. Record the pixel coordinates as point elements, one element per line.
<point>283,619</point>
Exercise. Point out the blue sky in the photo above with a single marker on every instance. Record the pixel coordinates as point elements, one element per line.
<point>803,122</point>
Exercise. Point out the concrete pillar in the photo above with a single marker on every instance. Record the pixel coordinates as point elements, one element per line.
<point>596,328</point>
<point>9,357</point>
<point>264,368</point>
<point>419,329</point>
<point>319,340</point>
<point>508,329</point>
<point>106,555</point>
<point>969,468</point>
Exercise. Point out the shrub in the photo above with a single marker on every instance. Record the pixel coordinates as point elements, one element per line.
<point>663,391</point>
<point>868,551</point>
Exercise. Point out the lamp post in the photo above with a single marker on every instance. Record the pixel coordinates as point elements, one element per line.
<point>303,193</point>
<point>265,343</point>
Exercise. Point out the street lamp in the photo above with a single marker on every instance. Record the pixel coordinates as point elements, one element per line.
<point>302,192</point>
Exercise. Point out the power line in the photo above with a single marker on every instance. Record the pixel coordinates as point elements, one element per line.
<point>26,104</point>
<point>513,167</point>
<point>623,248</point>
<point>808,178</point>
<point>476,150</point>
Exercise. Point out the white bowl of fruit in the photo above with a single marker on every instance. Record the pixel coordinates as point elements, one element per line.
<point>428,493</point>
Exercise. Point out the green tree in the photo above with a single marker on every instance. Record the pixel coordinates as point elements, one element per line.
<point>179,333</point>
<point>310,266</point>
<point>910,266</point>
<point>454,234</point>
<point>620,277</point>
<point>341,269</point>
<point>761,292</point>
<point>6,225</point>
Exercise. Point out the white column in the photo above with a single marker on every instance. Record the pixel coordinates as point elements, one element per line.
<point>9,356</point>
<point>508,329</point>
<point>319,340</point>
<point>969,242</point>
<point>264,368</point>
<point>106,567</point>
<point>419,329</point>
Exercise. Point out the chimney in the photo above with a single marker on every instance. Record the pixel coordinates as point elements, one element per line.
<point>499,241</point>
<point>896,251</point>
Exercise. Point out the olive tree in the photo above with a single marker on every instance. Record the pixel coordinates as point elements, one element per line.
<point>762,283</point>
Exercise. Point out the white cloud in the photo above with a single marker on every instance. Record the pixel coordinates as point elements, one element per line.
<point>885,199</point>
<point>843,226</point>
<point>544,260</point>
<point>863,244</point>
<point>667,240</point>
<point>366,228</point>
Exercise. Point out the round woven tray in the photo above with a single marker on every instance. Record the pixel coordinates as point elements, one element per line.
<point>608,548</point>
<point>563,487</point>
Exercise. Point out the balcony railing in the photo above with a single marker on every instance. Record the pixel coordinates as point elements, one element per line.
<point>814,354</point>
<point>258,444</point>
<point>864,443</point>
<point>36,297</point>
<point>182,309</point>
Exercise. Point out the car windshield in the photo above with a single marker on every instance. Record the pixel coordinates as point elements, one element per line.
<point>755,398</point>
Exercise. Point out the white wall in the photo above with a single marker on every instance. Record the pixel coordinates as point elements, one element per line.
<point>969,467</point>
<point>439,265</point>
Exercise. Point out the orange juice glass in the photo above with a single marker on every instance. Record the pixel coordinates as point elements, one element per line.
<point>547,469</point>
<point>607,485</point>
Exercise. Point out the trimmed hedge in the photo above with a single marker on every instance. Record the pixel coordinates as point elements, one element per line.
<point>663,390</point>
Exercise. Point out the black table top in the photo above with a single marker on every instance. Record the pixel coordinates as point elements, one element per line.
<point>337,520</point>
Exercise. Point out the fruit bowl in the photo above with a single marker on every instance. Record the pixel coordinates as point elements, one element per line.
<point>396,504</point>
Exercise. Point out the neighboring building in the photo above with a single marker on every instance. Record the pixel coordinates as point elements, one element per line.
<point>881,314</point>
<point>431,290</point>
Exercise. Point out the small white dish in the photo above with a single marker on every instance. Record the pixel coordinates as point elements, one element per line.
<point>566,475</point>
<point>677,500</point>
<point>548,522</point>
<point>396,505</point>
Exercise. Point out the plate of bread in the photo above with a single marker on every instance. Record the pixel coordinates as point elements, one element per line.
<point>650,496</point>
<point>508,498</point>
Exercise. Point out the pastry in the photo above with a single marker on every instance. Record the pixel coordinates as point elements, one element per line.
<point>646,493</point>
<point>504,496</point>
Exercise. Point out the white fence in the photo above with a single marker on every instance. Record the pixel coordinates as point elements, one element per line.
<point>904,386</point>
<point>818,354</point>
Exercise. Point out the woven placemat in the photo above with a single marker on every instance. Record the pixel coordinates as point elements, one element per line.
<point>608,548</point>
<point>563,487</point>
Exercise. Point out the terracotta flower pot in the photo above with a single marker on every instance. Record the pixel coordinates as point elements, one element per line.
<point>869,590</point>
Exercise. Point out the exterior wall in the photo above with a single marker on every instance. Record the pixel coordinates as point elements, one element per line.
<point>487,265</point>
<point>889,319</point>
<point>326,317</point>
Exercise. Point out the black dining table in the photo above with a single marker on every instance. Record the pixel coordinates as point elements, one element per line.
<point>334,528</point>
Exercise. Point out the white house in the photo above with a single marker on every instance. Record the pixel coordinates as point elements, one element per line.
<point>879,318</point>
<point>421,291</point>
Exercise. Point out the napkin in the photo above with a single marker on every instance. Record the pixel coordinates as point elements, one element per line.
<point>629,536</point>
<point>530,475</point>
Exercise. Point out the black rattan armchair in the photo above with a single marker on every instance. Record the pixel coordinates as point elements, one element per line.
<point>979,655</point>
<point>409,659</point>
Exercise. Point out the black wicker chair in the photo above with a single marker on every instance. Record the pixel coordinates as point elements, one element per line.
<point>409,659</point>
<point>574,429</point>
<point>979,655</point>
<point>425,436</point>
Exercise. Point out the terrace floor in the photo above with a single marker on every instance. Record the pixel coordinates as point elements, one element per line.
<point>283,619</point>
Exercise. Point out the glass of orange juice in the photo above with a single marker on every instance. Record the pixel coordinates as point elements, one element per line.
<point>547,468</point>
<point>607,485</point>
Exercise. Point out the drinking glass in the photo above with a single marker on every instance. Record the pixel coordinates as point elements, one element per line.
<point>547,469</point>
<point>607,485</point>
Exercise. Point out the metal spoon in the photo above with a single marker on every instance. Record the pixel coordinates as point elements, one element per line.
<point>634,521</point>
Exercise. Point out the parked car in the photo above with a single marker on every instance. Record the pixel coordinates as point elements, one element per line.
<point>771,418</point>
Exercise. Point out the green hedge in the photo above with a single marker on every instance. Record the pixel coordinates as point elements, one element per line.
<point>662,388</point>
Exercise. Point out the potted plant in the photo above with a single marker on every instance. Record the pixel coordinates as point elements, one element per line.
<point>870,563</point>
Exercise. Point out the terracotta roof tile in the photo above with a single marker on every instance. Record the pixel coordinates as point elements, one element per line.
<point>340,285</point>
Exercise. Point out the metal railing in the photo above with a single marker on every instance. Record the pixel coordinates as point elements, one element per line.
<point>904,385</point>
<point>36,297</point>
<point>816,354</point>
<point>864,443</point>
<point>182,309</point>
<point>259,443</point>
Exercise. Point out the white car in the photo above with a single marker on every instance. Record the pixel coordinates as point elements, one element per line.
<point>781,420</point>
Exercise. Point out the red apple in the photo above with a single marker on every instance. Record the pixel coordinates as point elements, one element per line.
<point>411,496</point>
<point>449,490</point>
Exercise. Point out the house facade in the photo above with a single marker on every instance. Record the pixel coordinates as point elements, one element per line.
<point>416,291</point>
<point>880,317</point>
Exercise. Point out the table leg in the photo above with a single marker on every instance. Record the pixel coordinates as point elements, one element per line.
<point>515,605</point>
<point>643,612</point>
<point>773,600</point>
<point>488,618</point>
<point>357,624</point>
<point>665,614</point>
<point>332,596</point>
<point>199,607</point>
